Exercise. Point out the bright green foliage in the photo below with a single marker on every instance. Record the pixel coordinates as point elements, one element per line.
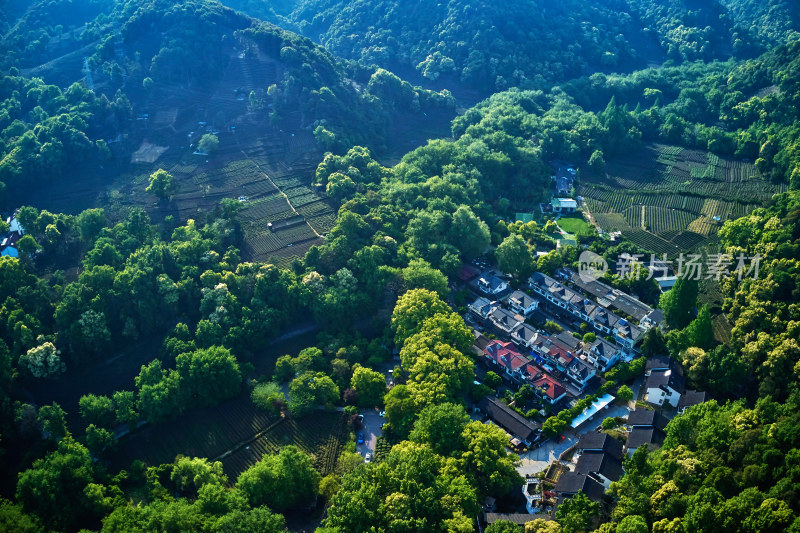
<point>54,488</point>
<point>577,514</point>
<point>412,309</point>
<point>208,143</point>
<point>209,376</point>
<point>440,427</point>
<point>373,497</point>
<point>160,183</point>
<point>370,386</point>
<point>309,390</point>
<point>99,441</point>
<point>53,421</point>
<point>98,410</point>
<point>679,303</point>
<point>624,394</point>
<point>191,474</point>
<point>514,257</point>
<point>282,482</point>
<point>268,396</point>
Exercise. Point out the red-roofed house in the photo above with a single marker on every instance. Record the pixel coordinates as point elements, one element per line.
<point>505,356</point>
<point>549,388</point>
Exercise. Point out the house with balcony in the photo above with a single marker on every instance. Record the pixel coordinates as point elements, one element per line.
<point>506,360</point>
<point>504,322</point>
<point>602,354</point>
<point>524,336</point>
<point>522,303</point>
<point>491,284</point>
<point>482,308</point>
<point>548,388</point>
<point>601,320</point>
<point>579,372</point>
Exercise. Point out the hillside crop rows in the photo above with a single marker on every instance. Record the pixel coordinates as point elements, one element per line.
<point>668,197</point>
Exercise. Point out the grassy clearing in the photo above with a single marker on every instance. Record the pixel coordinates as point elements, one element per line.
<point>574,225</point>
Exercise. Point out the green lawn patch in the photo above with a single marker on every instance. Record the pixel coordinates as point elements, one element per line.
<point>574,225</point>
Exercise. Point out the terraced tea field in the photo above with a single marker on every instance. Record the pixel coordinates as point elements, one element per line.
<point>668,198</point>
<point>236,433</point>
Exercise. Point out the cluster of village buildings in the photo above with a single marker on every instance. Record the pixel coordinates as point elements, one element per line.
<point>561,367</point>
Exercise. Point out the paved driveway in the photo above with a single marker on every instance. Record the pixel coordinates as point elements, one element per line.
<point>372,430</point>
<point>535,461</point>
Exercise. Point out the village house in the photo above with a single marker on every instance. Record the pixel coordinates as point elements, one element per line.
<point>690,398</point>
<point>548,388</point>
<point>504,322</point>
<point>602,467</point>
<point>571,483</point>
<point>595,441</point>
<point>647,427</point>
<point>601,320</point>
<point>524,336</point>
<point>603,354</point>
<point>564,205</point>
<point>491,284</point>
<point>664,387</point>
<point>506,359</point>
<point>8,244</point>
<point>482,307</point>
<point>522,303</point>
<point>517,426</point>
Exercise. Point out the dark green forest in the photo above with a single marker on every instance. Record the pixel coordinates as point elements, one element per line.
<point>125,315</point>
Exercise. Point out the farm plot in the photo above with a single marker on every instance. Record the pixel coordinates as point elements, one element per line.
<point>323,223</point>
<point>660,220</point>
<point>206,432</point>
<point>321,435</point>
<point>666,197</point>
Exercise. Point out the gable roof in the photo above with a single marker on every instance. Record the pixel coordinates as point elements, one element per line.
<point>482,306</point>
<point>504,318</point>
<point>692,397</point>
<point>566,340</point>
<point>595,440</point>
<point>491,281</point>
<point>640,436</point>
<point>660,379</point>
<point>551,387</point>
<point>647,418</point>
<point>510,420</point>
<point>659,362</point>
<point>505,355</point>
<point>570,483</point>
<point>603,348</point>
<point>522,299</point>
<point>599,463</point>
<point>525,332</point>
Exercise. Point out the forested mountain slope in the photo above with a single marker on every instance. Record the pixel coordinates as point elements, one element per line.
<point>528,43</point>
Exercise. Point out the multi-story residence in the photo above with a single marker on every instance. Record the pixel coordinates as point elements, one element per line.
<point>491,284</point>
<point>482,307</point>
<point>504,322</point>
<point>603,354</point>
<point>522,303</point>
<point>605,322</point>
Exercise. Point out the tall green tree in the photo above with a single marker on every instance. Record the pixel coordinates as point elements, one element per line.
<point>282,482</point>
<point>679,303</point>
<point>514,257</point>
<point>160,183</point>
